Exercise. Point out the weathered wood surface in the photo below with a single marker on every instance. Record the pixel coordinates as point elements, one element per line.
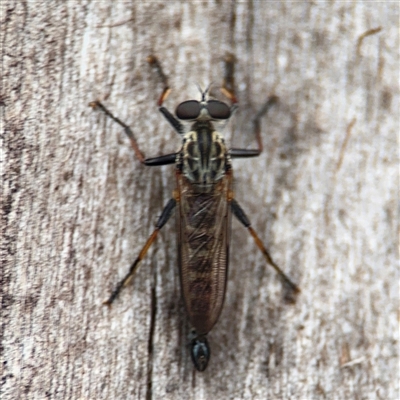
<point>77,206</point>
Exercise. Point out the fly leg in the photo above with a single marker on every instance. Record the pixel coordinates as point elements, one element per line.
<point>165,216</point>
<point>228,89</point>
<point>153,60</point>
<point>127,129</point>
<point>242,217</point>
<point>228,84</point>
<point>154,161</point>
<point>245,153</point>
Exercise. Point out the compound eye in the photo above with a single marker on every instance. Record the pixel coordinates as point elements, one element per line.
<point>218,109</point>
<point>188,110</point>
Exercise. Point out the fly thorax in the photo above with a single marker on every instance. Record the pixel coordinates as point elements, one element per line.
<point>204,156</point>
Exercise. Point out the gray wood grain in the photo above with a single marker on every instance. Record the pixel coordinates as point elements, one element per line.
<point>77,206</point>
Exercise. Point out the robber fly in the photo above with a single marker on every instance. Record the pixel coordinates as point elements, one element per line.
<point>204,200</point>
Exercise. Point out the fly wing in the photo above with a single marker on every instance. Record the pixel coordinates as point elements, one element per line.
<point>203,223</point>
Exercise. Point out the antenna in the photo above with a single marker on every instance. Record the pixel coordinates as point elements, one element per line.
<point>205,92</point>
